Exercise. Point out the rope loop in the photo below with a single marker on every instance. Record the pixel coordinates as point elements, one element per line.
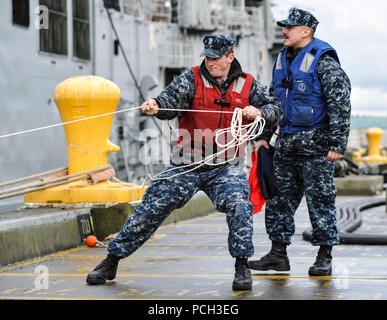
<point>240,133</point>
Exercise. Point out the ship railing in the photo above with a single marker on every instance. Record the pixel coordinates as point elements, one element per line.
<point>239,20</point>
<point>221,15</point>
<point>278,38</point>
<point>176,53</point>
<point>153,10</point>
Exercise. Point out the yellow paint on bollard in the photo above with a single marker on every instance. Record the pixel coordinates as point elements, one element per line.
<point>374,137</point>
<point>88,143</point>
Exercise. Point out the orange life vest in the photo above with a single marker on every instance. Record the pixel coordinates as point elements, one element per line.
<point>198,129</point>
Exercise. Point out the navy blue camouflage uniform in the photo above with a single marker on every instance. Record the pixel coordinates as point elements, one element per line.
<point>300,159</point>
<point>226,185</point>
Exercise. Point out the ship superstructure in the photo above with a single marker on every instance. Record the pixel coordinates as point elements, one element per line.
<point>139,45</point>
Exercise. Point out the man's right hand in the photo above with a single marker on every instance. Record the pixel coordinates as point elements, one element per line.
<point>260,143</point>
<point>150,107</point>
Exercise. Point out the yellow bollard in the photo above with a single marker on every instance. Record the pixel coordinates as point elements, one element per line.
<point>88,143</point>
<point>374,137</point>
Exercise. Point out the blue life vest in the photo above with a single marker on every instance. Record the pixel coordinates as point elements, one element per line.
<point>298,88</point>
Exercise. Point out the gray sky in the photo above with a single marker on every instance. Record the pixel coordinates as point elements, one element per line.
<point>358,31</point>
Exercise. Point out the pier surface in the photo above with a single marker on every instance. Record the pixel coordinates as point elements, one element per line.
<point>189,260</point>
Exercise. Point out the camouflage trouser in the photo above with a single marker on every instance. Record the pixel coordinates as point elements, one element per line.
<point>228,188</point>
<point>312,176</point>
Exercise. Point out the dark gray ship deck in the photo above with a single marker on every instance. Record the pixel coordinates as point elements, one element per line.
<point>190,260</point>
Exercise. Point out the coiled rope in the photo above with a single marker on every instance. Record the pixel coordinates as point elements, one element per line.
<point>240,133</point>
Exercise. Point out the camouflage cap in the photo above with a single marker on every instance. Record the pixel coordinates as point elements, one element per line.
<point>298,17</point>
<point>216,46</point>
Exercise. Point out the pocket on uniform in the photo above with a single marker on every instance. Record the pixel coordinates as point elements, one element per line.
<point>302,116</point>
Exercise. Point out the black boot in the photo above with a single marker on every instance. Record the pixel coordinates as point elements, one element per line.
<point>242,280</point>
<point>323,263</point>
<point>277,259</point>
<point>106,270</point>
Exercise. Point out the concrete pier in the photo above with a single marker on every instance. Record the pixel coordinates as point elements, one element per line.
<point>189,260</point>
<point>32,232</point>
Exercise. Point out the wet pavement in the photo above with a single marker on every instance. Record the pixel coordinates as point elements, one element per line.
<point>189,260</point>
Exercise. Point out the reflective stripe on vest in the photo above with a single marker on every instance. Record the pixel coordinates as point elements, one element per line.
<point>307,62</point>
<point>305,65</point>
<point>207,83</point>
<point>237,87</point>
<point>278,65</point>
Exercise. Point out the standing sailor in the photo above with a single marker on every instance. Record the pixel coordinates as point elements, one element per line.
<point>218,84</point>
<point>313,134</point>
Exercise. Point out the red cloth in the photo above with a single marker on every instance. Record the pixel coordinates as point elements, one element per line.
<point>256,196</point>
